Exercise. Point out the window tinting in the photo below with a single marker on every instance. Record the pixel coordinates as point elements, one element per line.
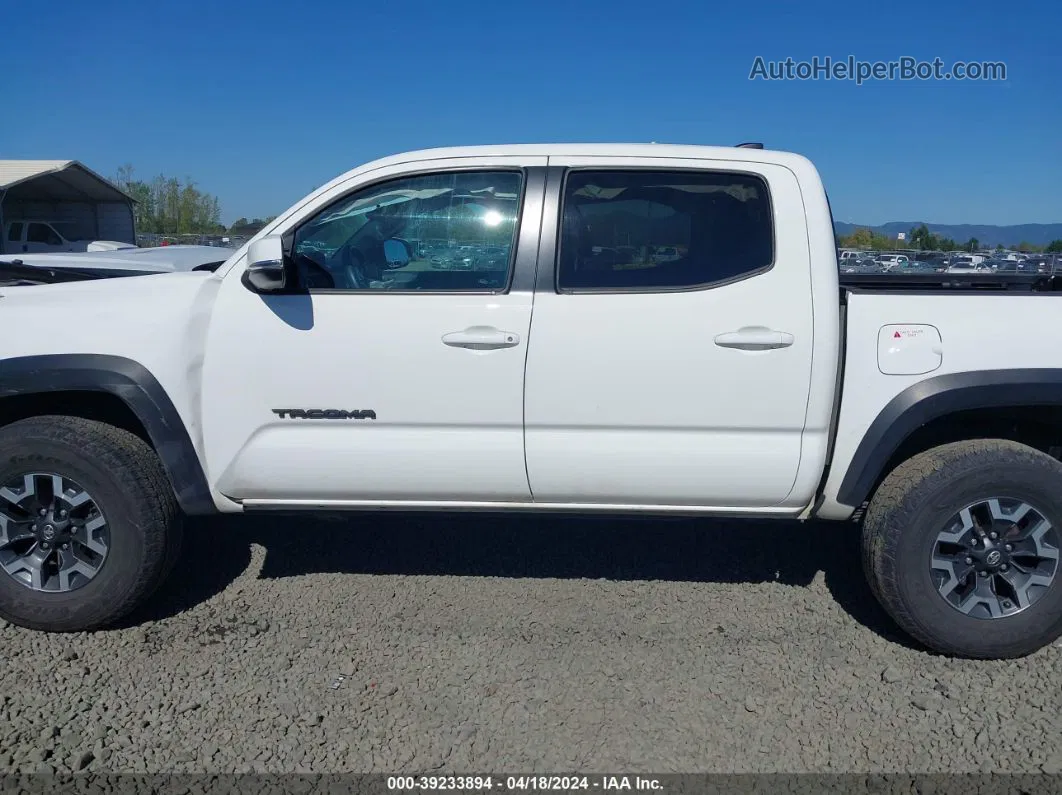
<point>14,234</point>
<point>42,233</point>
<point>437,232</point>
<point>625,230</point>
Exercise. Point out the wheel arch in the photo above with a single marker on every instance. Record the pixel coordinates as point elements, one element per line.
<point>989,402</point>
<point>133,386</point>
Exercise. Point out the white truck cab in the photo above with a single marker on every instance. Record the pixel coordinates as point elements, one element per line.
<point>649,329</point>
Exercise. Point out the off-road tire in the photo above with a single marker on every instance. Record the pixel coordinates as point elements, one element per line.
<point>913,504</point>
<point>127,481</point>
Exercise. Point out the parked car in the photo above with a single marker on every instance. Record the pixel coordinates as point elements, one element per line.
<point>889,262</point>
<point>666,254</point>
<point>933,260</point>
<point>1003,265</point>
<point>916,266</point>
<point>966,264</point>
<point>278,382</point>
<point>1048,263</point>
<point>867,265</point>
<point>34,236</point>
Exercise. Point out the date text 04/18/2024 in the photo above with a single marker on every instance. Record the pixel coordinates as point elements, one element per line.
<point>487,783</point>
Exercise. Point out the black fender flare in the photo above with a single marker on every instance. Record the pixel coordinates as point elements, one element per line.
<point>135,386</point>
<point>934,398</point>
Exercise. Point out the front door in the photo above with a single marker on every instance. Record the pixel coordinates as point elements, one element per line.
<point>398,374</point>
<point>671,350</point>
<point>41,238</point>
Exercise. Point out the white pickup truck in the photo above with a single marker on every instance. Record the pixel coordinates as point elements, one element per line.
<point>41,237</point>
<point>331,364</point>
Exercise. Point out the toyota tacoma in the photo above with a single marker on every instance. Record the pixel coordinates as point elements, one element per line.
<point>329,364</point>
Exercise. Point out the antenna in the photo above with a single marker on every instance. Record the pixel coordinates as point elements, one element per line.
<point>750,145</point>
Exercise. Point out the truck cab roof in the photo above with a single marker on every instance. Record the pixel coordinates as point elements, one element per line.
<point>640,150</point>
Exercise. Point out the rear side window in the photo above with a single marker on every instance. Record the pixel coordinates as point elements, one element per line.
<point>644,231</point>
<point>14,234</point>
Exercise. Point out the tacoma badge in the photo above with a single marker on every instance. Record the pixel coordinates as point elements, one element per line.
<point>325,414</point>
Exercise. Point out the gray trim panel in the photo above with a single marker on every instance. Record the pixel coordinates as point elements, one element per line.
<point>529,226</point>
<point>545,278</point>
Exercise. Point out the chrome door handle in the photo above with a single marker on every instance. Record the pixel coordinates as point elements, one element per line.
<point>481,338</point>
<point>754,338</point>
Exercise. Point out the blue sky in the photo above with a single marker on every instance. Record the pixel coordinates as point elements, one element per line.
<point>261,102</point>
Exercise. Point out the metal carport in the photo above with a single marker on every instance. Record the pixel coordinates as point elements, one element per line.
<point>65,191</point>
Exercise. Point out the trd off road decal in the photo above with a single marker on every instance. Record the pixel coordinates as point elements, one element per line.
<point>325,414</point>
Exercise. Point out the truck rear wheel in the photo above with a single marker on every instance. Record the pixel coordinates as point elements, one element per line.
<point>89,524</point>
<point>961,547</point>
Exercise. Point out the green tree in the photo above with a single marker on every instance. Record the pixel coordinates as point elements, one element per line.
<point>241,226</point>
<point>215,215</point>
<point>860,238</point>
<point>169,206</point>
<point>923,239</point>
<point>1054,246</point>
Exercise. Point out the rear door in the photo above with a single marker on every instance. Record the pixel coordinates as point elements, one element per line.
<point>654,380</point>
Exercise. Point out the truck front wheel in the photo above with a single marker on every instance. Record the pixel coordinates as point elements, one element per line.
<point>961,547</point>
<point>88,523</point>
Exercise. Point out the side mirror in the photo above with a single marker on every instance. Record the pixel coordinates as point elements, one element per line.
<point>397,252</point>
<point>266,272</point>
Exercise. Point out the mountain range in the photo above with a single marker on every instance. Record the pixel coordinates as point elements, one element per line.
<point>616,227</point>
<point>987,235</point>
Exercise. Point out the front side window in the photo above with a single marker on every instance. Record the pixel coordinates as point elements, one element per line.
<point>14,234</point>
<point>437,232</point>
<point>42,233</point>
<point>659,230</point>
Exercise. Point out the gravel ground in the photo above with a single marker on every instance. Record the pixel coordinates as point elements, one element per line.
<point>401,643</point>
